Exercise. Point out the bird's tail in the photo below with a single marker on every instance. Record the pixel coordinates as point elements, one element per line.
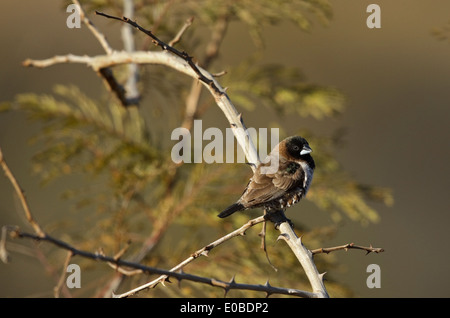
<point>230,210</point>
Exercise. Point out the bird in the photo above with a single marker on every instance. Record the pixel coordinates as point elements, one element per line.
<point>279,181</point>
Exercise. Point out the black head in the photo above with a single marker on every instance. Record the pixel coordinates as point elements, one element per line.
<point>297,147</point>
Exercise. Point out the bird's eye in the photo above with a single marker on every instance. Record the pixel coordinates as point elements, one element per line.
<point>296,148</point>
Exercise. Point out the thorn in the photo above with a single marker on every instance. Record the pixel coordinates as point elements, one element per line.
<point>232,281</point>
<point>219,74</point>
<point>322,275</point>
<point>251,164</point>
<point>240,117</point>
<point>267,284</point>
<point>100,251</point>
<point>283,236</point>
<point>205,253</point>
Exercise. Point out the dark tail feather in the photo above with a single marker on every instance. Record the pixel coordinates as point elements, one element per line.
<point>230,210</point>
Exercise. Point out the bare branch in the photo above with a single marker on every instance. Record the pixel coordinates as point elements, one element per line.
<point>346,247</point>
<point>305,258</point>
<point>21,195</point>
<point>98,35</point>
<point>131,86</point>
<point>180,33</point>
<point>60,284</point>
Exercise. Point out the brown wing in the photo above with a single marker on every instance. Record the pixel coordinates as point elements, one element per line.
<point>264,188</point>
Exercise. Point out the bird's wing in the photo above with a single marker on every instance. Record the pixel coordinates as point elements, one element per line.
<point>288,180</point>
<point>267,187</point>
<point>260,190</point>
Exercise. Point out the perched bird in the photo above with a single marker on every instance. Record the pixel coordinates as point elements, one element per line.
<point>280,181</point>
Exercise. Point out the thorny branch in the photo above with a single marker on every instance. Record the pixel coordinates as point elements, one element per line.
<point>20,193</point>
<point>346,247</point>
<point>168,48</point>
<point>267,288</point>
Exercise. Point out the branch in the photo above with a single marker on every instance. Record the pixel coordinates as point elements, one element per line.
<point>305,258</point>
<point>62,278</point>
<point>125,98</point>
<point>98,35</point>
<point>212,49</point>
<point>180,33</point>
<point>21,196</point>
<point>131,90</point>
<point>346,247</point>
<point>267,288</point>
<point>177,63</point>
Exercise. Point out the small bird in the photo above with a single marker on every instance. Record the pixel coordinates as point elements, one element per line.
<point>280,181</point>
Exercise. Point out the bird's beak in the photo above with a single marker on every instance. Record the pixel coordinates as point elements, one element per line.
<point>306,150</point>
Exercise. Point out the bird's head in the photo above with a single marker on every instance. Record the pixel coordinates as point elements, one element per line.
<point>295,147</point>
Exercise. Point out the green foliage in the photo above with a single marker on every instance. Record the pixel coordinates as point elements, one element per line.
<point>133,190</point>
<point>282,88</point>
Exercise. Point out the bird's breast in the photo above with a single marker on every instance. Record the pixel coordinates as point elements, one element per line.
<point>308,175</point>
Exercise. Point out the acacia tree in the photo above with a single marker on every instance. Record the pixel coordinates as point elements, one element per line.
<point>157,204</point>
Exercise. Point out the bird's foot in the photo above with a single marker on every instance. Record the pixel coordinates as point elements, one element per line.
<point>277,217</point>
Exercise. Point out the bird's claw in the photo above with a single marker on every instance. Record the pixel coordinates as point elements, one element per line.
<point>277,217</point>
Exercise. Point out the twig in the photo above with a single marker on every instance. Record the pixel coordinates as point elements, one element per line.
<point>262,234</point>
<point>114,86</point>
<point>131,86</point>
<point>180,33</point>
<point>346,247</point>
<point>60,284</point>
<point>212,49</point>
<point>128,96</point>
<point>168,48</point>
<point>98,35</point>
<point>21,195</point>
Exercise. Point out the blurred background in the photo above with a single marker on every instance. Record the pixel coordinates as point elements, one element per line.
<point>393,133</point>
